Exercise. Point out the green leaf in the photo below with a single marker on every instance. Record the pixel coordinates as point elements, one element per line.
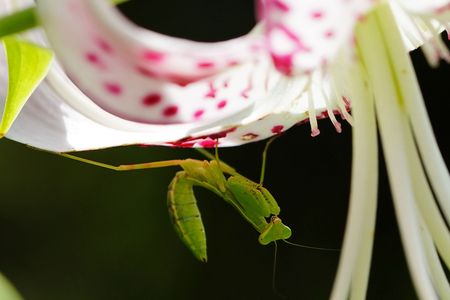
<point>28,64</point>
<point>7,290</point>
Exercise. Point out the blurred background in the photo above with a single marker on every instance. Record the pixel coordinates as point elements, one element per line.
<point>74,231</point>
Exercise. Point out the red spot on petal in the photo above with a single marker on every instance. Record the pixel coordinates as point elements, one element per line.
<point>329,34</point>
<point>222,134</point>
<point>208,143</point>
<point>146,72</point>
<point>283,63</point>
<point>222,104</point>
<point>113,88</point>
<point>151,99</point>
<point>92,58</point>
<point>104,45</point>
<point>190,141</point>
<point>212,91</point>
<point>205,64</point>
<point>170,111</point>
<point>182,144</point>
<point>277,129</point>
<point>154,56</point>
<point>198,114</point>
<point>95,60</point>
<point>249,136</point>
<point>317,14</point>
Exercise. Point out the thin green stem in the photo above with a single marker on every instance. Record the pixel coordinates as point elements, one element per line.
<point>19,21</point>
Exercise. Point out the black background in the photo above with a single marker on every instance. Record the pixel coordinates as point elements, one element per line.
<point>73,231</point>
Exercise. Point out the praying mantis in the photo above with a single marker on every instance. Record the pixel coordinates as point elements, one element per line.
<point>252,200</point>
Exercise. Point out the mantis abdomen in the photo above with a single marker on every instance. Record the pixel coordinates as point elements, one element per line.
<point>185,215</point>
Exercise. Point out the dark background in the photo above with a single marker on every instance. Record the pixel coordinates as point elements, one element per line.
<point>73,231</point>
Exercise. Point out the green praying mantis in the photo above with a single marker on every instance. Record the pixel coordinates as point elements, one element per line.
<point>252,200</point>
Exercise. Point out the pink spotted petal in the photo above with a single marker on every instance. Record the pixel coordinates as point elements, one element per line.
<point>60,117</point>
<point>304,35</point>
<point>144,76</point>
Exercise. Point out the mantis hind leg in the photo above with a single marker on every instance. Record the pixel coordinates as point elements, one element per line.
<point>149,165</point>
<point>129,167</point>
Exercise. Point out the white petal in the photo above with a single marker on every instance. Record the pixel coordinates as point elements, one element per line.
<point>49,121</point>
<point>412,36</point>
<point>426,7</point>
<point>423,30</point>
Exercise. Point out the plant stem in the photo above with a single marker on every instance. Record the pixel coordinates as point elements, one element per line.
<point>25,19</point>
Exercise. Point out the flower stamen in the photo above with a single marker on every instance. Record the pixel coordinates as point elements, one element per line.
<point>330,112</point>
<point>312,115</point>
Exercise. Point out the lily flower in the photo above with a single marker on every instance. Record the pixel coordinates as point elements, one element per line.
<point>114,84</point>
